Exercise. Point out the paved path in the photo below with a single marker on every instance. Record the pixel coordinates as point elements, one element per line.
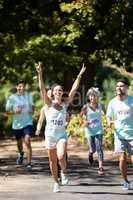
<point>16,183</point>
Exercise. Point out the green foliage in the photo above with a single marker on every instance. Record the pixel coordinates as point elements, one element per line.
<point>5,121</point>
<point>63,33</point>
<point>108,90</point>
<point>131,88</point>
<point>75,128</point>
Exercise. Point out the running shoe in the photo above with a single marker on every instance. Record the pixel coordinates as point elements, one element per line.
<point>126,185</point>
<point>56,187</point>
<point>101,171</point>
<point>64,179</point>
<point>20,158</point>
<point>28,167</point>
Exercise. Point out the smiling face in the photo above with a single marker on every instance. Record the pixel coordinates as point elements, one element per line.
<point>121,89</point>
<point>57,92</point>
<point>93,99</point>
<point>20,88</point>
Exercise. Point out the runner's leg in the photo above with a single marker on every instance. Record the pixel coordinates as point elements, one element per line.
<point>27,143</point>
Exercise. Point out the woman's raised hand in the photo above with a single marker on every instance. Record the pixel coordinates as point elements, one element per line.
<point>82,69</point>
<point>39,67</point>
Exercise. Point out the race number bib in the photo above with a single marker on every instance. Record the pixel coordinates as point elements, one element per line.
<point>57,123</point>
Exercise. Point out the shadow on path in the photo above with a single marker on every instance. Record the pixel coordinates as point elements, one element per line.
<point>77,168</point>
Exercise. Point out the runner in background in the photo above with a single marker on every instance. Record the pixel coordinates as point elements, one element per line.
<point>91,115</point>
<point>21,106</point>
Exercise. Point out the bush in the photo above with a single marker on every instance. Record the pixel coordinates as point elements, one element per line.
<point>75,128</point>
<point>5,121</point>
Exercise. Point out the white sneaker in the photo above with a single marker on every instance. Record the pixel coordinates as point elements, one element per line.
<point>29,167</point>
<point>56,187</point>
<point>126,185</point>
<point>64,179</point>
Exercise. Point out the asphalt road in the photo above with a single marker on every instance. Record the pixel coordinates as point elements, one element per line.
<point>16,183</point>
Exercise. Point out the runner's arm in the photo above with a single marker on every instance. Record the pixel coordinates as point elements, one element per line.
<point>43,91</point>
<point>75,85</point>
<point>40,122</point>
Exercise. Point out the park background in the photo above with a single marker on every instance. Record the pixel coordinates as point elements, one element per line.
<point>63,35</point>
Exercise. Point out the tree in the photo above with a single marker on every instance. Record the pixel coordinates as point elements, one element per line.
<point>63,34</point>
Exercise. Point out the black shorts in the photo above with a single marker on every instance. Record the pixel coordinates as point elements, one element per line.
<point>20,133</point>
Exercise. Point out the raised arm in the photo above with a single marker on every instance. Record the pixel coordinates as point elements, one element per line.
<point>75,85</point>
<point>40,122</point>
<point>43,91</point>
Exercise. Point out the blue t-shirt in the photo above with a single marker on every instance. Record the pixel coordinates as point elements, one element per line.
<point>121,112</point>
<point>94,119</point>
<point>25,102</point>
